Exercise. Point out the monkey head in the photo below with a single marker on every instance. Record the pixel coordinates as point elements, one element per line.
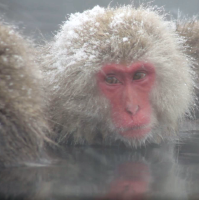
<point>117,74</point>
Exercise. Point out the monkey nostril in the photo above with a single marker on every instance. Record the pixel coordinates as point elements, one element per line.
<point>132,110</point>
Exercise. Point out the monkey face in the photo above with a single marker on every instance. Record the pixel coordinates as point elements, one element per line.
<point>128,89</point>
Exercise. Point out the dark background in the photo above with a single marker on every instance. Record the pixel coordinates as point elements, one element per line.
<point>41,18</point>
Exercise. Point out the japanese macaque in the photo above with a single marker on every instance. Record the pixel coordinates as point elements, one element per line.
<point>22,121</point>
<point>117,75</point>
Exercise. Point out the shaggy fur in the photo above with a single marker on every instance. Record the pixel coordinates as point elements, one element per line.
<point>78,112</point>
<point>22,124</point>
<point>189,29</point>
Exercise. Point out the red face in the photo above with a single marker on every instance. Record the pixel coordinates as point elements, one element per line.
<point>128,90</point>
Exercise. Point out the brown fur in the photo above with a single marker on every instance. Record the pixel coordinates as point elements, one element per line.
<point>189,29</point>
<point>78,112</point>
<point>22,124</point>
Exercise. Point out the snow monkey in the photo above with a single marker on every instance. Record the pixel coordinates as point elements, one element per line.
<point>22,124</point>
<point>122,75</point>
<point>117,75</point>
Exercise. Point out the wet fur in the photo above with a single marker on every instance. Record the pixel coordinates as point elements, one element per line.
<point>22,121</point>
<point>78,113</point>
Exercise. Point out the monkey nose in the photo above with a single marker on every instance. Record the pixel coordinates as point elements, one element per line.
<point>132,109</point>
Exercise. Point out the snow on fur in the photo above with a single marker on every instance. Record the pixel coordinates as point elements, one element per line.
<point>100,36</point>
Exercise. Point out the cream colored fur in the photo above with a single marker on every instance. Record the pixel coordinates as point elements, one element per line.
<point>22,121</point>
<point>86,41</point>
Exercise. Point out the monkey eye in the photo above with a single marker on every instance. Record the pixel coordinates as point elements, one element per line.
<point>139,75</point>
<point>111,80</point>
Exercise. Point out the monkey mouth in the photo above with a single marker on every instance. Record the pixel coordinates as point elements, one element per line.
<point>135,131</point>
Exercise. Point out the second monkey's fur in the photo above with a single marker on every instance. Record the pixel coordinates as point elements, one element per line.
<point>22,121</point>
<point>87,41</point>
<point>189,29</point>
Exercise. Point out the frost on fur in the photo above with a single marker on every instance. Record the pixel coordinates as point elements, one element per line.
<point>22,125</point>
<point>87,41</point>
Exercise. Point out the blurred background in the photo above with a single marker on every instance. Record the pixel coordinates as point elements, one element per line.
<point>41,18</point>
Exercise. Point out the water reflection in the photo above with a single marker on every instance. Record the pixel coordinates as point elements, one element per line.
<point>154,172</point>
<point>132,179</point>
